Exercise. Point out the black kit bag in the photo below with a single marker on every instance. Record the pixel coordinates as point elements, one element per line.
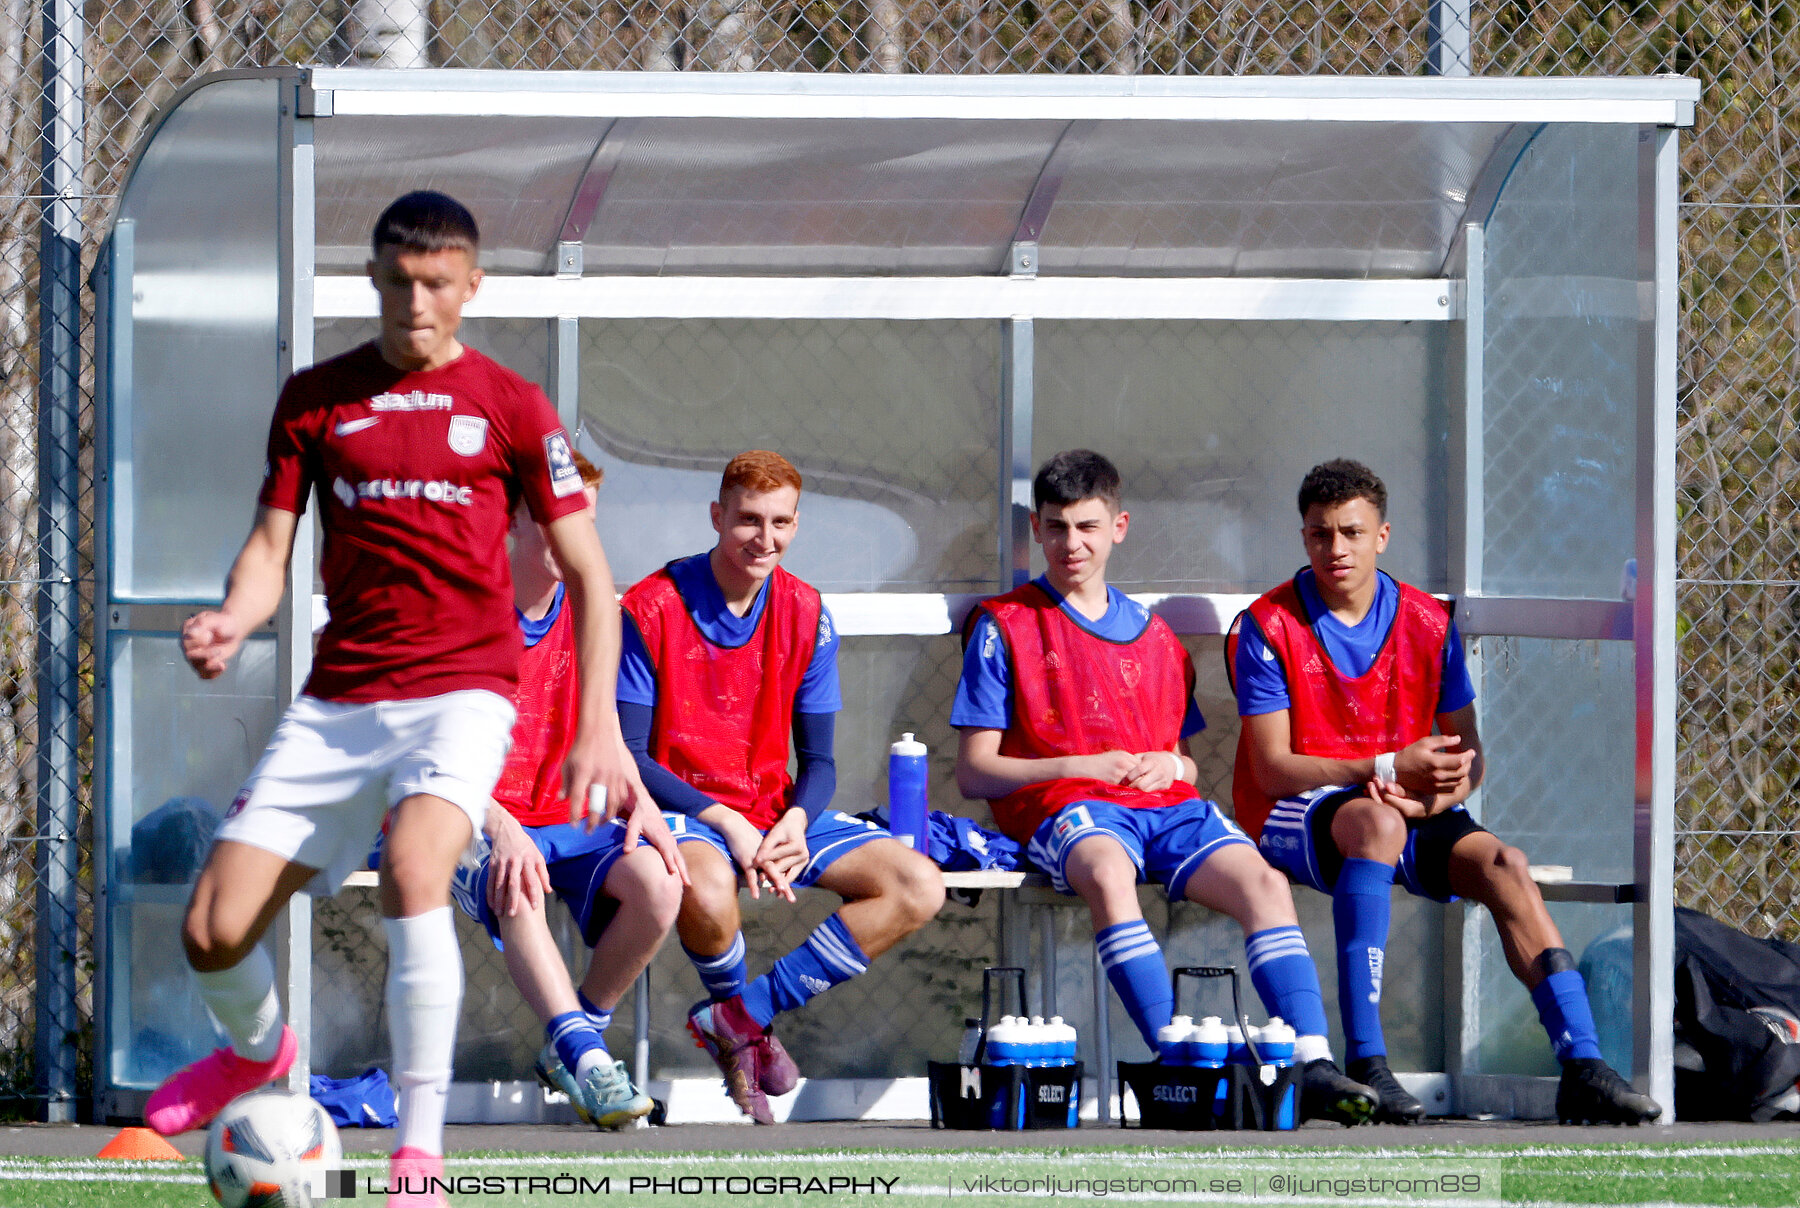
<point>1737,1007</point>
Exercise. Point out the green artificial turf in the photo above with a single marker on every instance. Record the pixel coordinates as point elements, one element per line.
<point>1759,1173</point>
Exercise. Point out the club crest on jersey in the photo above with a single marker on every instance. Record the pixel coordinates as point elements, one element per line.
<point>565,479</point>
<point>468,433</point>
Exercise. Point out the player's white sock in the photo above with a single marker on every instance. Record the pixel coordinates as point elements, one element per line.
<point>424,994</point>
<point>590,1059</point>
<point>1311,1048</point>
<point>242,998</point>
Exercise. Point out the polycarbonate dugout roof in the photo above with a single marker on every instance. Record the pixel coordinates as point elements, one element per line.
<point>797,175</point>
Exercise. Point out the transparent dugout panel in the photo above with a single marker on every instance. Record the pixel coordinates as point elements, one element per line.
<point>1558,729</point>
<point>1512,1038</point>
<point>181,747</point>
<point>1222,199</point>
<point>204,206</point>
<point>893,426</point>
<point>710,195</point>
<point>1560,368</point>
<point>1213,425</point>
<point>522,345</point>
<point>517,175</point>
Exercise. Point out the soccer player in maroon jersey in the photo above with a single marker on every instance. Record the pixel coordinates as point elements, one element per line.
<point>417,447</point>
<point>623,901</point>
<point>1075,706</point>
<point>1358,749</point>
<point>725,657</point>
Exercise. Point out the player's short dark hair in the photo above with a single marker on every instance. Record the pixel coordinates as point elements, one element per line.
<point>427,221</point>
<point>1339,481</point>
<point>1074,475</point>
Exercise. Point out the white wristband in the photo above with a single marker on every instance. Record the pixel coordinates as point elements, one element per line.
<point>1179,769</point>
<point>1384,765</point>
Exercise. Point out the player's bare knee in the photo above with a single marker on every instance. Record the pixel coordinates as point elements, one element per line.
<point>211,949</point>
<point>710,903</point>
<point>1269,887</point>
<point>1512,868</point>
<point>661,897</point>
<point>1102,877</point>
<point>1368,829</point>
<point>918,890</point>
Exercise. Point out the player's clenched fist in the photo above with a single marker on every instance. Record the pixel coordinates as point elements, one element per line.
<point>209,640</point>
<point>1432,764</point>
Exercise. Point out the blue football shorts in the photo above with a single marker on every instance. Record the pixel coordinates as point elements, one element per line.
<point>578,862</point>
<point>832,835</point>
<point>1297,840</point>
<point>1167,844</point>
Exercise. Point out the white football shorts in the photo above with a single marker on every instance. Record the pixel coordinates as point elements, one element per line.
<point>305,802</point>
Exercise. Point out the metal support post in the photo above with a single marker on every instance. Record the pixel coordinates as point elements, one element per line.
<point>294,619</point>
<point>1653,625</point>
<point>1016,396</point>
<point>1103,1075</point>
<point>640,1030</point>
<point>56,860</point>
<point>1448,47</point>
<point>1468,540</point>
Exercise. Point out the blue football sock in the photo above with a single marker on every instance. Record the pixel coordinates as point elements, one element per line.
<point>829,957</point>
<point>573,1036</point>
<point>601,1019</point>
<point>725,974</point>
<point>1360,911</point>
<point>1282,971</point>
<point>1562,1006</point>
<point>1134,965</point>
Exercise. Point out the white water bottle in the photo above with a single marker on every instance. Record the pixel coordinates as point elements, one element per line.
<point>1211,1043</point>
<point>1171,1040</point>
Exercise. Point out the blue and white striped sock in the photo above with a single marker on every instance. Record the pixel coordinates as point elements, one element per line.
<point>1282,971</point>
<point>829,957</point>
<point>600,1018</point>
<point>576,1041</point>
<point>1134,965</point>
<point>722,975</point>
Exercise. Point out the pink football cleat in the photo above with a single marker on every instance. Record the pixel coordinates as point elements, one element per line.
<point>193,1095</point>
<point>415,1179</point>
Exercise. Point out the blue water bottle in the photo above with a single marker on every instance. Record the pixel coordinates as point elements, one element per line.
<point>906,792</point>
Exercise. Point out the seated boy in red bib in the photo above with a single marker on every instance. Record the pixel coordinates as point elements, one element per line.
<point>1075,707</point>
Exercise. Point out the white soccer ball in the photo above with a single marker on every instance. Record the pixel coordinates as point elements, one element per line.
<point>271,1149</point>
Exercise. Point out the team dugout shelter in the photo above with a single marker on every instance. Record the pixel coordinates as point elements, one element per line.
<point>917,288</point>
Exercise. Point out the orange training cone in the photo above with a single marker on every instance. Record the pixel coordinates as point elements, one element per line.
<point>139,1144</point>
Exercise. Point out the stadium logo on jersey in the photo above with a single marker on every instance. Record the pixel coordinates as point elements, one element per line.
<point>345,493</point>
<point>416,400</point>
<point>468,433</point>
<point>565,479</point>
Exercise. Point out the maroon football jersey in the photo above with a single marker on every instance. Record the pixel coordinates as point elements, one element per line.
<point>417,475</point>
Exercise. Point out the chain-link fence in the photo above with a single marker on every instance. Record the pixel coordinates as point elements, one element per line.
<point>1739,592</point>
